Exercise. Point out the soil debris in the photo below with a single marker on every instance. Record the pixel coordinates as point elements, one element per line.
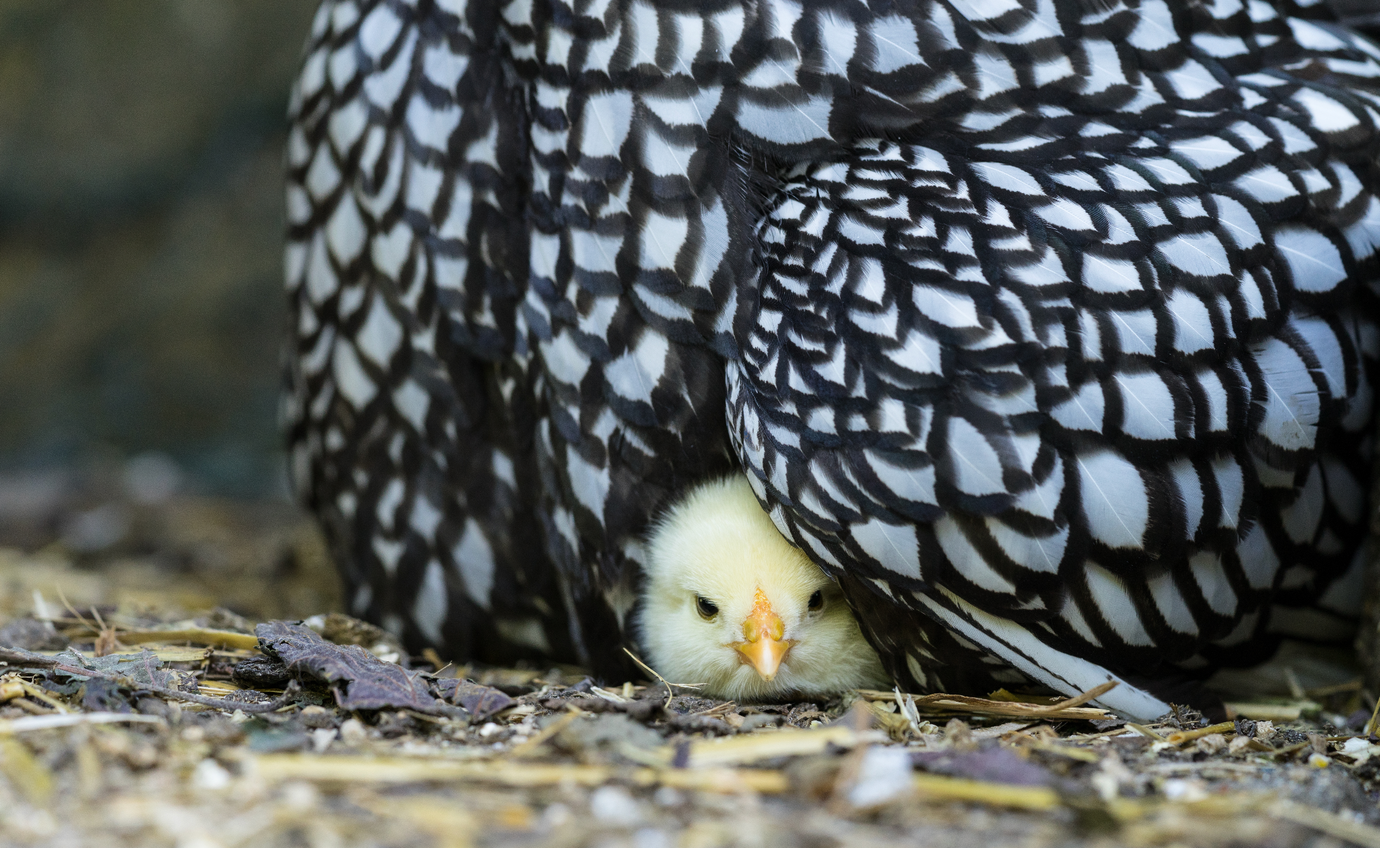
<point>143,719</point>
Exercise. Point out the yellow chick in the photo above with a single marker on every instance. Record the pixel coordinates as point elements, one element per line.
<point>729,603</point>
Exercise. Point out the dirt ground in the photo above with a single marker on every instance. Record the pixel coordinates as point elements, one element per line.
<point>154,694</point>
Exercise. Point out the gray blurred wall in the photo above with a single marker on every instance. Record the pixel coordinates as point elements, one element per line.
<point>140,229</point>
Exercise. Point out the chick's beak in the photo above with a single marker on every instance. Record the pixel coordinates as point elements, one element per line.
<point>762,646</point>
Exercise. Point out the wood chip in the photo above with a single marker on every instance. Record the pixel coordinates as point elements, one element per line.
<point>346,769</point>
<point>1069,709</point>
<point>1270,712</point>
<point>937,787</point>
<point>48,722</point>
<point>1183,737</point>
<point>736,750</point>
<point>195,635</point>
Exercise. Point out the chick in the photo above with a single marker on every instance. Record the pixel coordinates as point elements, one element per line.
<point>729,603</point>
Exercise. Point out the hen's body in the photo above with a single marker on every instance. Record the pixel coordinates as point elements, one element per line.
<point>1043,325</point>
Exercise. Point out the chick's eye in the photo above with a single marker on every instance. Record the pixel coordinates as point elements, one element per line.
<point>706,608</point>
<point>817,601</point>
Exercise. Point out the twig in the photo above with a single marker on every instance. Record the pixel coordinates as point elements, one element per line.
<point>1204,766</point>
<point>1269,712</point>
<point>1334,689</point>
<point>945,703</point>
<point>939,787</point>
<point>1078,700</point>
<point>670,693</point>
<point>1145,731</point>
<point>30,707</point>
<point>717,710</point>
<point>16,655</point>
<point>34,692</point>
<point>611,697</point>
<point>229,705</point>
<point>68,604</point>
<point>747,748</point>
<point>1180,737</point>
<point>47,722</point>
<point>1292,681</point>
<point>355,769</point>
<point>196,635</point>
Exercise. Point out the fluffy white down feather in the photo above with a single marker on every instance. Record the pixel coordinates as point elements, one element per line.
<point>717,543</point>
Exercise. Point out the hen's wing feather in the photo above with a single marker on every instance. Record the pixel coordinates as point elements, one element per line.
<point>1107,383</point>
<point>409,404</point>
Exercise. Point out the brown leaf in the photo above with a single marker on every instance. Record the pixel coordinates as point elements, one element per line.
<point>478,700</point>
<point>360,680</point>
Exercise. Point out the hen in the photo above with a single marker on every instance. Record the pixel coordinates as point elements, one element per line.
<point>1046,328</point>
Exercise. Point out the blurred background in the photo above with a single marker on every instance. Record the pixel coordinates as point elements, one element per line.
<point>140,233</point>
<point>141,305</point>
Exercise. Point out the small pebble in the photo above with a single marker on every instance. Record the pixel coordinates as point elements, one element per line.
<point>353,731</point>
<point>321,738</point>
<point>1179,789</point>
<point>613,805</point>
<point>884,775</point>
<point>317,716</point>
<point>300,795</point>
<point>210,775</point>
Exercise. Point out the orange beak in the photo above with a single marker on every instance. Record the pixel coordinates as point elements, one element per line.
<point>762,645</point>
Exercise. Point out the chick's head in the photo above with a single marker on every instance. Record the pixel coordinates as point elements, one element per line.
<point>730,604</point>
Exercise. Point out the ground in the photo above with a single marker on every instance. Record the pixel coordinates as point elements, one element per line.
<point>157,693</point>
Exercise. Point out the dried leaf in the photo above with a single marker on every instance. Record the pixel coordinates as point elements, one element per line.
<point>345,630</point>
<point>478,700</point>
<point>360,680</point>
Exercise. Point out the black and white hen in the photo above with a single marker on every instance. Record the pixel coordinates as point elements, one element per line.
<point>1045,327</point>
